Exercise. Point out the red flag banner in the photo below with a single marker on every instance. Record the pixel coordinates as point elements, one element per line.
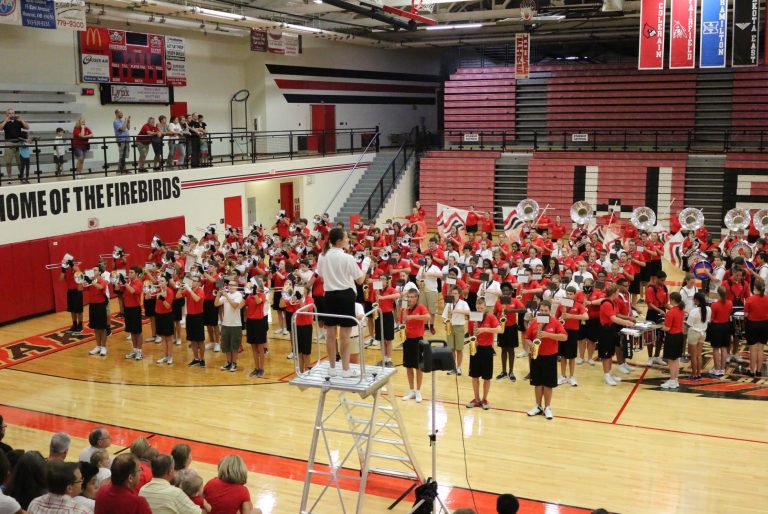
<point>522,55</point>
<point>652,18</point>
<point>682,34</point>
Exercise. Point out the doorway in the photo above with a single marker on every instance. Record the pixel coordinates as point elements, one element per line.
<point>323,125</point>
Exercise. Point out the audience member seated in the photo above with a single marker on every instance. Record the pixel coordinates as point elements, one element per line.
<point>192,485</point>
<point>162,497</point>
<point>87,496</point>
<point>64,483</point>
<point>28,479</point>
<point>139,446</point>
<point>99,439</point>
<point>118,495</point>
<point>146,467</point>
<point>8,505</point>
<point>182,459</point>
<point>4,448</point>
<point>59,447</point>
<point>227,493</point>
<point>100,459</point>
<point>507,504</point>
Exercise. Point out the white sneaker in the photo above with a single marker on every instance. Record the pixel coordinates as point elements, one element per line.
<point>548,413</point>
<point>210,346</point>
<point>178,342</point>
<point>739,359</point>
<point>138,356</point>
<point>608,379</point>
<point>418,396</point>
<point>670,384</point>
<point>128,337</point>
<point>562,380</point>
<point>458,371</point>
<point>350,373</point>
<point>158,339</point>
<point>161,361</point>
<point>573,382</point>
<point>624,368</point>
<point>650,362</point>
<point>95,351</point>
<point>131,354</point>
<point>521,354</point>
<point>322,334</point>
<point>216,347</point>
<point>409,396</point>
<point>333,372</point>
<point>291,356</point>
<point>629,367</point>
<point>579,360</point>
<point>169,360</point>
<point>103,351</point>
<point>150,339</point>
<point>659,361</point>
<point>592,362</point>
<point>535,411</point>
<point>616,378</point>
<point>375,342</point>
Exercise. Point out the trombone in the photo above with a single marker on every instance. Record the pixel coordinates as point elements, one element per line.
<point>57,265</point>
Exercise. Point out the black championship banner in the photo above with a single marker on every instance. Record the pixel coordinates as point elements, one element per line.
<point>746,32</point>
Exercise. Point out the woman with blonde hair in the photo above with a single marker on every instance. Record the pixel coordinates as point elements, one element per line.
<point>227,493</point>
<point>80,144</point>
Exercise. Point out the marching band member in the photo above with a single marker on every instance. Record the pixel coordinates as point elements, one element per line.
<point>210,277</point>
<point>573,316</point>
<point>257,326</point>
<point>610,324</point>
<point>640,275</point>
<point>194,296</point>
<point>481,363</point>
<point>688,291</point>
<point>164,318</point>
<point>69,271</point>
<point>429,273</point>
<point>720,332</point>
<point>697,321</point>
<point>455,313</point>
<point>415,316</point>
<point>119,262</point>
<point>593,298</point>
<point>304,322</point>
<point>98,297</point>
<point>756,313</point>
<point>278,275</point>
<point>132,289</point>
<point>656,299</point>
<point>624,311</point>
<point>510,307</point>
<point>544,366</point>
<point>387,297</point>
<point>231,301</point>
<point>737,291</point>
<point>174,282</point>
<point>150,294</point>
<point>761,268</point>
<point>673,342</point>
<point>715,277</point>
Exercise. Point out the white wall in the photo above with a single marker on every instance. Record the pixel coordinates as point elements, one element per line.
<point>200,200</point>
<point>403,198</point>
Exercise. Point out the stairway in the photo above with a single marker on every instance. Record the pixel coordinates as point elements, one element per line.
<point>365,186</point>
<point>704,178</point>
<point>714,90</point>
<point>510,182</point>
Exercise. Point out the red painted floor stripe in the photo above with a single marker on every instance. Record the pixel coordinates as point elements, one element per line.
<point>265,463</point>
<point>629,397</point>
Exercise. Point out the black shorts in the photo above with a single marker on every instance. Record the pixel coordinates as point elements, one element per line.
<point>544,371</point>
<point>509,338</point>
<point>149,307</point>
<point>634,286</point>
<point>256,330</point>
<point>210,313</point>
<point>388,319</point>
<point>411,353</point>
<point>164,324</point>
<point>178,308</point>
<point>673,346</point>
<point>304,339</point>
<point>97,313</point>
<point>569,348</point>
<point>653,268</point>
<point>607,341</point>
<point>481,363</point>
<point>368,307</point>
<point>340,303</point>
<point>195,327</point>
<point>133,320</point>
<point>319,306</point>
<point>645,273</point>
<point>521,322</point>
<point>288,318</point>
<point>75,301</point>
<point>276,296</point>
<point>471,229</point>
<point>592,329</point>
<point>472,300</point>
<point>582,332</point>
<point>719,334</point>
<point>756,332</point>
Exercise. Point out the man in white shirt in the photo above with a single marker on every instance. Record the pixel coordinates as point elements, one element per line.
<point>231,323</point>
<point>8,504</point>
<point>163,498</point>
<point>716,275</point>
<point>533,259</point>
<point>456,311</point>
<point>99,439</point>
<point>429,273</point>
<point>64,483</point>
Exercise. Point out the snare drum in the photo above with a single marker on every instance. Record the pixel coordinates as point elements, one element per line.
<point>631,341</point>
<point>739,325</point>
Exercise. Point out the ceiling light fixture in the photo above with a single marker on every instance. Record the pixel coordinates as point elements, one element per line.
<point>457,26</point>
<point>301,27</point>
<point>218,14</point>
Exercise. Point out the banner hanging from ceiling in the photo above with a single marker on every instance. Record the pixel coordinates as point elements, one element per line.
<point>652,21</point>
<point>682,34</point>
<point>746,32</point>
<point>714,33</point>
<point>522,56</point>
<point>281,43</point>
<point>38,14</point>
<point>70,14</point>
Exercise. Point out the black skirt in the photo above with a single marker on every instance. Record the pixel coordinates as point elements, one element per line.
<point>195,328</point>
<point>673,346</point>
<point>256,330</point>
<point>719,334</point>
<point>164,324</point>
<point>97,313</point>
<point>133,320</point>
<point>544,371</point>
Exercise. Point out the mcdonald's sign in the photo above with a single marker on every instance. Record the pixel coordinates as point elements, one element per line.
<point>94,40</point>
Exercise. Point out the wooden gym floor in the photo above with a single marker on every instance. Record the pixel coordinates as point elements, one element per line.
<point>634,448</point>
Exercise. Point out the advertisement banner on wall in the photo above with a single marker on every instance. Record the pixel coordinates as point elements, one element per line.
<point>38,14</point>
<point>10,12</point>
<point>291,44</point>
<point>522,55</point>
<point>135,94</point>
<point>175,61</point>
<point>652,20</point>
<point>682,34</point>
<point>70,14</point>
<point>258,40</point>
<point>746,32</point>
<point>714,33</point>
<point>94,68</point>
<point>279,43</point>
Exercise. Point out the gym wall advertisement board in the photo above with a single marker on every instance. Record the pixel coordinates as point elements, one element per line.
<point>122,57</point>
<point>44,14</point>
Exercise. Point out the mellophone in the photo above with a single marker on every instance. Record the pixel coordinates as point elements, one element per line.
<point>644,333</point>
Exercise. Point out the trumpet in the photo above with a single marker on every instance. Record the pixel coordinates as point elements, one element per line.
<point>472,345</point>
<point>114,277</point>
<point>151,289</point>
<point>78,277</point>
<point>503,320</point>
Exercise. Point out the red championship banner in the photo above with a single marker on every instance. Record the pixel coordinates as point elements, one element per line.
<point>682,34</point>
<point>522,55</point>
<point>652,18</point>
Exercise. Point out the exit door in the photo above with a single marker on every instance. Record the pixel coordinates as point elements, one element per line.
<point>324,128</point>
<point>286,198</point>
<point>233,211</point>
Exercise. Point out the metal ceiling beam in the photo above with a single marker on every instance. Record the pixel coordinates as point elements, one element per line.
<point>372,12</point>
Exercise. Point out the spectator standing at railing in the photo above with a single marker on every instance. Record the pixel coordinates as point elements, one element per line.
<point>59,149</point>
<point>175,142</point>
<point>195,133</point>
<point>24,157</point>
<point>205,147</point>
<point>157,141</point>
<point>13,127</point>
<point>146,136</point>
<point>123,137</point>
<point>81,135</point>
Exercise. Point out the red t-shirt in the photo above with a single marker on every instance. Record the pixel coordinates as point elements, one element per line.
<point>514,304</point>
<point>132,299</point>
<point>548,346</point>
<point>194,307</point>
<point>77,140</point>
<point>414,329</point>
<point>471,218</point>
<point>557,231</point>
<point>594,310</point>
<point>721,311</point>
<point>255,310</point>
<point>607,310</point>
<point>486,225</point>
<point>160,307</point>
<point>756,308</point>
<point>571,323</point>
<point>387,305</point>
<point>144,476</point>
<point>112,498</point>
<point>622,305</point>
<point>209,285</point>
<point>96,295</point>
<point>302,319</point>
<point>656,296</point>
<point>736,290</point>
<point>69,278</point>
<point>486,338</point>
<point>674,320</point>
<point>144,136</point>
<point>225,498</point>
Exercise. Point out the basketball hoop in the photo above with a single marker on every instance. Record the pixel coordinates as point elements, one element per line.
<point>423,6</point>
<point>528,9</point>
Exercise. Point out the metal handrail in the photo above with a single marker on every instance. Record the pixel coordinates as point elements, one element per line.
<point>375,138</point>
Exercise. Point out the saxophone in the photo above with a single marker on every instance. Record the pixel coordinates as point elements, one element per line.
<point>448,325</point>
<point>537,341</point>
<point>375,311</point>
<point>472,346</point>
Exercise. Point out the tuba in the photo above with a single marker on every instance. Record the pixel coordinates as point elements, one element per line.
<point>691,219</point>
<point>737,219</point>
<point>527,209</point>
<point>761,221</point>
<point>643,218</point>
<point>582,212</point>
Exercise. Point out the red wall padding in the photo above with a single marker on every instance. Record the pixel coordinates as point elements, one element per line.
<point>31,289</point>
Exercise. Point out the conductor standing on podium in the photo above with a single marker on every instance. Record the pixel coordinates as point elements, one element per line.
<point>340,273</point>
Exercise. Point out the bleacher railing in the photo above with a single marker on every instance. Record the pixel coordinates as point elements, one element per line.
<point>216,149</point>
<point>708,140</point>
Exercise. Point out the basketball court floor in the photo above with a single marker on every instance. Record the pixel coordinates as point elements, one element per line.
<point>634,448</point>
